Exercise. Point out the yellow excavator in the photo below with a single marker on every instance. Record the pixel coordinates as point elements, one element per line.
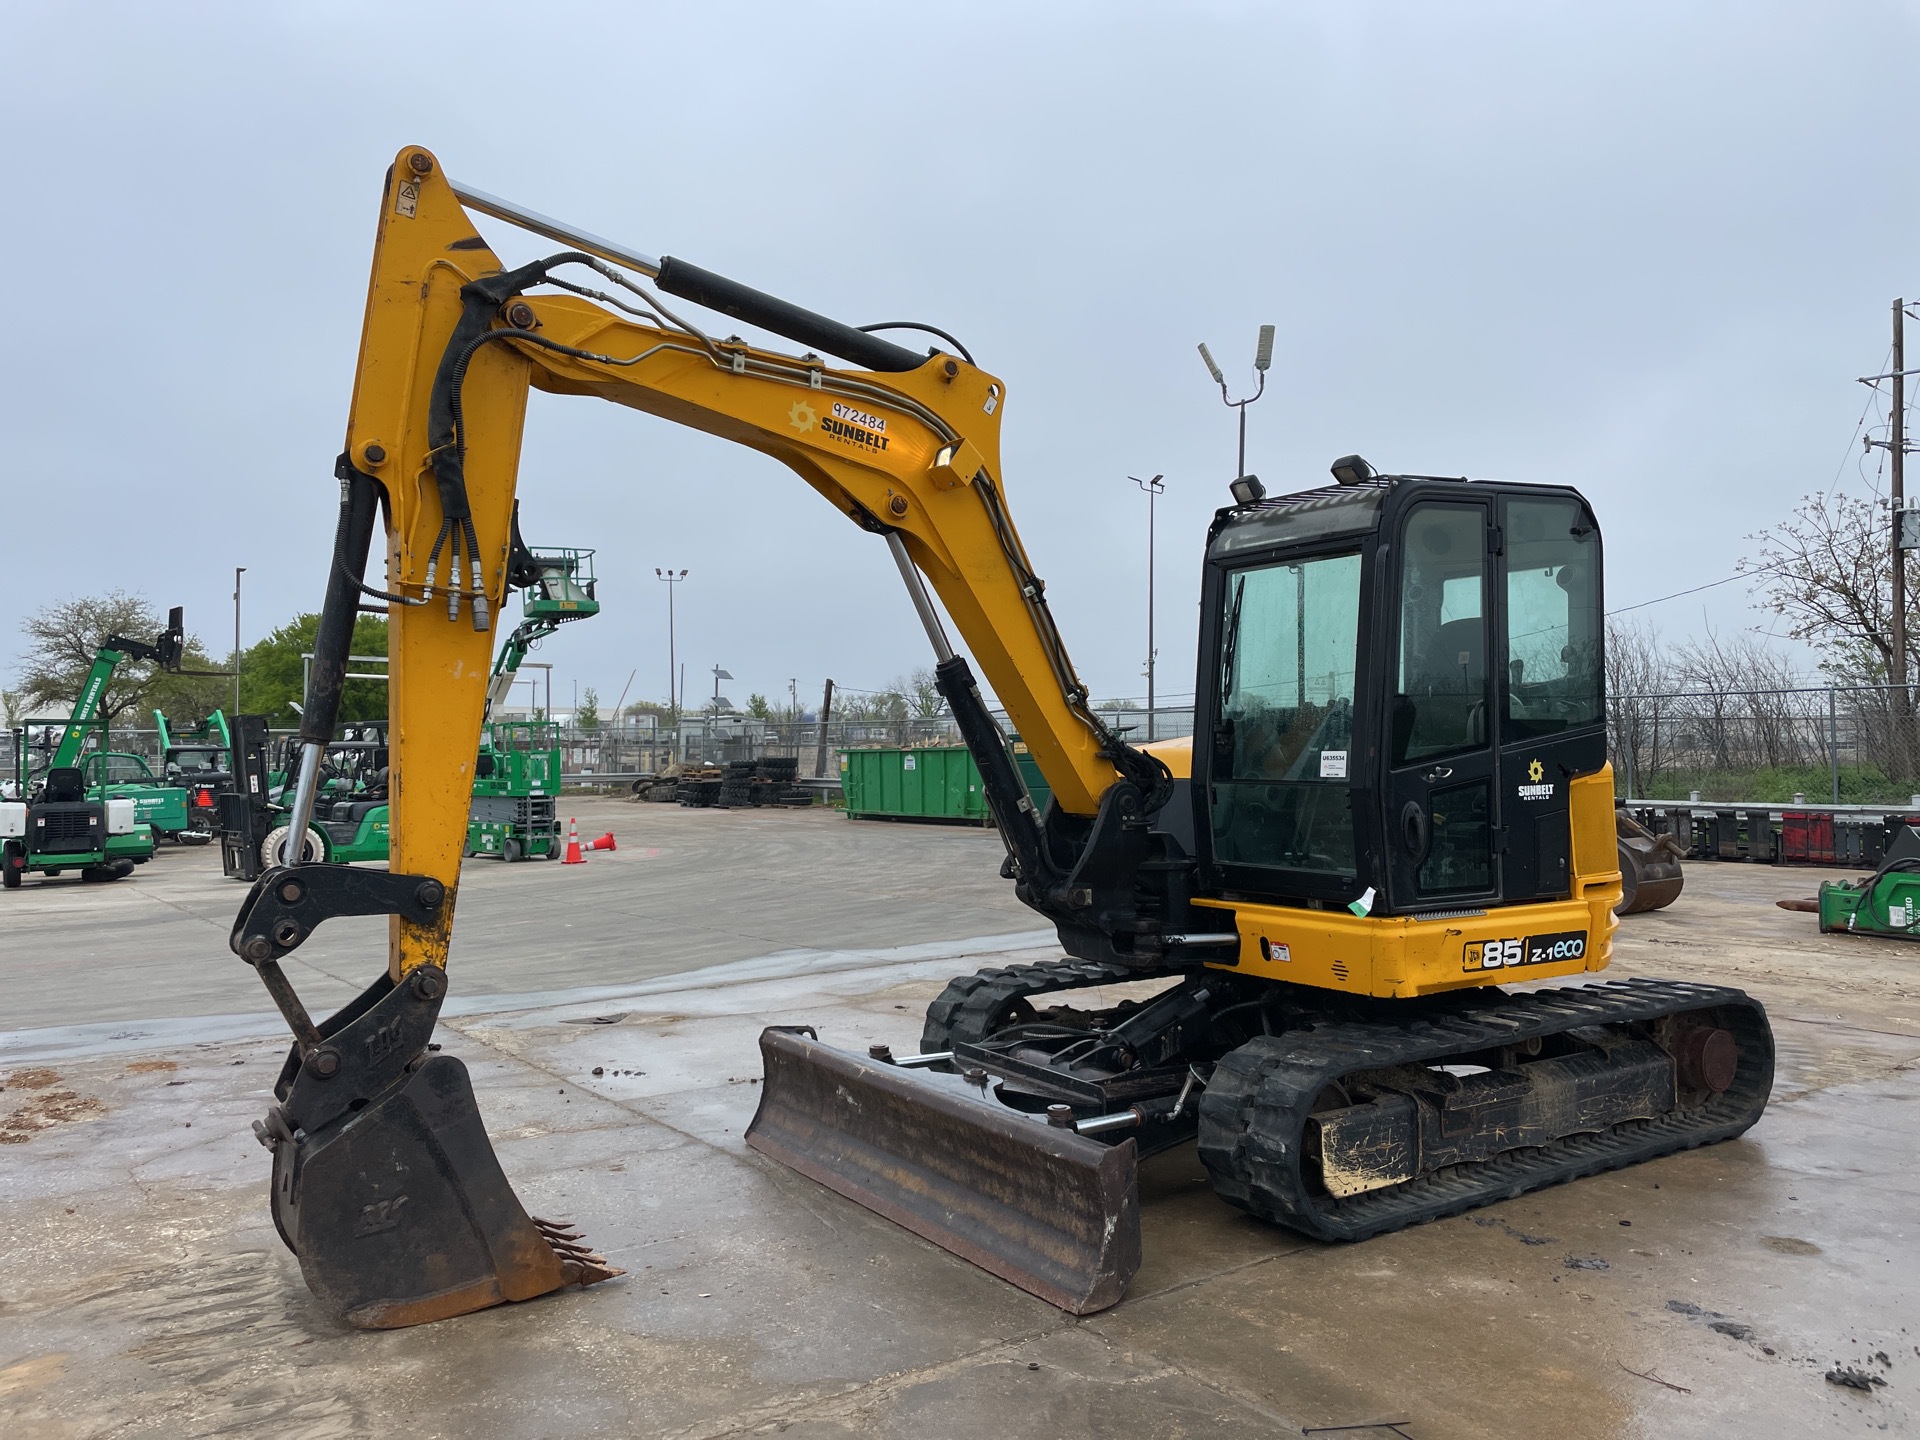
<point>1396,805</point>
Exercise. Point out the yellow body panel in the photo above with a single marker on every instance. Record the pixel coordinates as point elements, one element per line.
<point>1400,956</point>
<point>1176,755</point>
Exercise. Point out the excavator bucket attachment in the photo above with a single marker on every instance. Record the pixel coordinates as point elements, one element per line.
<point>385,1184</point>
<point>1650,877</point>
<point>1046,1209</point>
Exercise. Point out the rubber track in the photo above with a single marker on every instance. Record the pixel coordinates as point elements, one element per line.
<point>971,1007</point>
<point>1254,1112</point>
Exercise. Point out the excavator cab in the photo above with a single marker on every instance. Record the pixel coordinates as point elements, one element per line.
<point>1404,676</point>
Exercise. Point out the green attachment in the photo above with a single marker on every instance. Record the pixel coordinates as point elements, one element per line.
<point>1887,903</point>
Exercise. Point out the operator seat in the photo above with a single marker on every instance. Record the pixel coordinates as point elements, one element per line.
<point>64,786</point>
<point>1444,708</point>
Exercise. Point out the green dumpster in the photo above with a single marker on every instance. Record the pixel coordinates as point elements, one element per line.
<point>934,783</point>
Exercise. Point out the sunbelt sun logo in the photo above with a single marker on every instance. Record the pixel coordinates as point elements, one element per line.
<point>1534,790</point>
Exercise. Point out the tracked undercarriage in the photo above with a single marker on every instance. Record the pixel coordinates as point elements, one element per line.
<point>1343,1119</point>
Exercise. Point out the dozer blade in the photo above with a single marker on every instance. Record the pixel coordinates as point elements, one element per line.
<point>1050,1211</point>
<point>385,1184</point>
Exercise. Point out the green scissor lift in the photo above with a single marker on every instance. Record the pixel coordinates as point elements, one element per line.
<point>517,778</point>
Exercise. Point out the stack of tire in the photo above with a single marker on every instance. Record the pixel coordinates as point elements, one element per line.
<point>736,785</point>
<point>698,793</point>
<point>778,787</point>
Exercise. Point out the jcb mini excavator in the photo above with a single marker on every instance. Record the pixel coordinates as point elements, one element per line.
<point>1398,803</point>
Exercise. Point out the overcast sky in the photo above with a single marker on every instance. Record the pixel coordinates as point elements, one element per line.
<point>1640,249</point>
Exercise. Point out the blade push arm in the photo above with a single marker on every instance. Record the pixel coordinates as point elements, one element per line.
<point>453,342</point>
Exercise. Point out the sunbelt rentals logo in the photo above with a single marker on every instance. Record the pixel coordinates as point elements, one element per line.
<point>1535,790</point>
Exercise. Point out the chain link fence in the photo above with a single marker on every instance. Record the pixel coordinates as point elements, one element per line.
<point>1827,744</point>
<point>1817,744</point>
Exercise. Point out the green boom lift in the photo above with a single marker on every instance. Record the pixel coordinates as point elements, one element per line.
<point>517,773</point>
<point>61,823</point>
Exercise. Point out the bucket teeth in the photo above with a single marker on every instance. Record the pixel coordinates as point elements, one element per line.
<point>583,1266</point>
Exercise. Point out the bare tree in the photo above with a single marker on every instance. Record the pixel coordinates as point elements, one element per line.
<point>1828,572</point>
<point>1745,697</point>
<point>922,694</point>
<point>1638,679</point>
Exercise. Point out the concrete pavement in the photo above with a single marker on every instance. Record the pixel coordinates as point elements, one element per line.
<point>143,1291</point>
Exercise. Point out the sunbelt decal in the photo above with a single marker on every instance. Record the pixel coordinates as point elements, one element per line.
<point>1535,790</point>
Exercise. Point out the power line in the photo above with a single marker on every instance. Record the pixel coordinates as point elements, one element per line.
<point>1695,590</point>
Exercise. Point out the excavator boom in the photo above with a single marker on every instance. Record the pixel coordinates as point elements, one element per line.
<point>370,1134</point>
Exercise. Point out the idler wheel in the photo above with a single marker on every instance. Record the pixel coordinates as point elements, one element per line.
<point>1707,1059</point>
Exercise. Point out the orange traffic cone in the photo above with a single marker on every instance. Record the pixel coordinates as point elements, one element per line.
<point>605,842</point>
<point>573,855</point>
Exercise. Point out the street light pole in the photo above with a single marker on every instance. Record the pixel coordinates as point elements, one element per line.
<point>673,667</point>
<point>1154,490</point>
<point>238,571</point>
<point>1262,358</point>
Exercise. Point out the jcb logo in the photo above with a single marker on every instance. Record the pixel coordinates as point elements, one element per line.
<point>380,1215</point>
<point>383,1041</point>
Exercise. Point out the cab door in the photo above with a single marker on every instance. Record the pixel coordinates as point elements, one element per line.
<point>1443,799</point>
<point>1550,686</point>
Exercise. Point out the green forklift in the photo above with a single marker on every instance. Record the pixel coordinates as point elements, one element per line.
<point>350,810</point>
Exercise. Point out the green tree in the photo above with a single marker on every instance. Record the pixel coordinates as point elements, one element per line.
<point>272,673</point>
<point>587,715</point>
<point>758,707</point>
<point>63,640</point>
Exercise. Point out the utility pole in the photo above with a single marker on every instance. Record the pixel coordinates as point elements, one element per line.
<point>673,667</point>
<point>1154,491</point>
<point>1897,454</point>
<point>826,712</point>
<point>238,571</point>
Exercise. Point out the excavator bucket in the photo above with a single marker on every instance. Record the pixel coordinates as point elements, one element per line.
<point>1046,1209</point>
<point>385,1184</point>
<point>1650,877</point>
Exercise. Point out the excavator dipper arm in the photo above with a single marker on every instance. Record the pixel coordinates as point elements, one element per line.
<point>385,1185</point>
